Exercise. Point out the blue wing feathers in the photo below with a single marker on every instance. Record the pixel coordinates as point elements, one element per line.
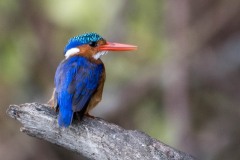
<point>76,80</point>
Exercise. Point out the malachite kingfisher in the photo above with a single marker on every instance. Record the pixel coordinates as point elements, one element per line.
<point>80,77</point>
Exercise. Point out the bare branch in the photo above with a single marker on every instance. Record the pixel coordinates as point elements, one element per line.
<point>92,138</point>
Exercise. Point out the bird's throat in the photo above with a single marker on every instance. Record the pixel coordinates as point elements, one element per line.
<point>99,54</point>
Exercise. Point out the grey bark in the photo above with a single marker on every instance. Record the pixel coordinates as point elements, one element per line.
<point>93,138</point>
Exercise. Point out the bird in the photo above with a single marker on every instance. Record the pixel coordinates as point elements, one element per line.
<point>80,77</point>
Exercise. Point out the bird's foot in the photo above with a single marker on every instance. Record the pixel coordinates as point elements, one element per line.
<point>90,116</point>
<point>52,105</point>
<point>50,102</point>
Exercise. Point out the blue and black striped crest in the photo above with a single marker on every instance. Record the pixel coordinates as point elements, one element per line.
<point>81,40</point>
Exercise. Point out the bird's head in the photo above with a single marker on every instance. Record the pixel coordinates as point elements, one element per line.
<point>92,45</point>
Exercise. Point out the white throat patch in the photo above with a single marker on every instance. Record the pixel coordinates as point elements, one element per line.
<point>71,52</point>
<point>99,54</point>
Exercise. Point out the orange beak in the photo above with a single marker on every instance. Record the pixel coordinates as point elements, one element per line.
<point>110,46</point>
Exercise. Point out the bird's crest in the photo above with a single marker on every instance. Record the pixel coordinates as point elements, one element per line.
<point>81,40</point>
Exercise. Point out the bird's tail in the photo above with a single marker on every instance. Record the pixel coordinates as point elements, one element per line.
<point>65,117</point>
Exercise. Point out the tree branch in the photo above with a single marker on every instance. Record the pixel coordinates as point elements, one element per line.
<point>92,138</point>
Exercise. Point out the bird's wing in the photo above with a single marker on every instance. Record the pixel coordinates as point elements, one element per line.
<point>75,84</point>
<point>84,85</point>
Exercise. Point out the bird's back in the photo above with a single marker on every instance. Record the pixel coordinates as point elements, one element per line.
<point>76,80</point>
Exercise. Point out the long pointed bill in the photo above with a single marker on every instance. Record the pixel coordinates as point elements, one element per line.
<point>110,46</point>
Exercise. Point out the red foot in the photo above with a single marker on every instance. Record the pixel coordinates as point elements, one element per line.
<point>90,116</point>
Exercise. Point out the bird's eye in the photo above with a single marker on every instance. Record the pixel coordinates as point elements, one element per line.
<point>93,44</point>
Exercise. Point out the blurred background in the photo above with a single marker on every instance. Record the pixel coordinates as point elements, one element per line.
<point>181,87</point>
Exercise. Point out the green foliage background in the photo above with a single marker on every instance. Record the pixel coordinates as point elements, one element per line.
<point>181,86</point>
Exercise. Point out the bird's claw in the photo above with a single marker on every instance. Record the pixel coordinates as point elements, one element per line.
<point>52,105</point>
<point>90,116</point>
